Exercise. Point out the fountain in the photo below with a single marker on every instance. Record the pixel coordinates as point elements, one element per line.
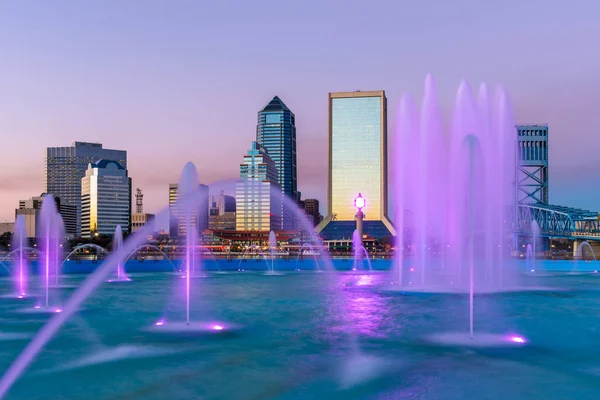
<point>530,258</point>
<point>188,205</point>
<point>117,244</point>
<point>49,233</point>
<point>272,249</point>
<point>360,253</point>
<point>20,266</point>
<point>458,187</point>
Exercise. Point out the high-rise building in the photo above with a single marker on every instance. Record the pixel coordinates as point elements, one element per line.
<point>199,215</point>
<point>31,208</point>
<point>258,196</point>
<point>140,219</point>
<point>357,164</point>
<point>311,209</point>
<point>65,166</point>
<point>105,199</point>
<point>276,132</point>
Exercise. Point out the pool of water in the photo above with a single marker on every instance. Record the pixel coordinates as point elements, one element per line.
<point>309,335</point>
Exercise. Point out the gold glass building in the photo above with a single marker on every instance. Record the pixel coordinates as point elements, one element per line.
<point>357,164</point>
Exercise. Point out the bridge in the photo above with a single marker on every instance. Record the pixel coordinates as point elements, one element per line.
<point>557,222</point>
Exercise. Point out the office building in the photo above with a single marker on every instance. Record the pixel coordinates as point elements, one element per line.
<point>276,132</point>
<point>140,219</point>
<point>31,208</point>
<point>258,196</point>
<point>357,164</point>
<point>198,215</point>
<point>311,209</point>
<point>221,216</point>
<point>105,199</point>
<point>66,166</point>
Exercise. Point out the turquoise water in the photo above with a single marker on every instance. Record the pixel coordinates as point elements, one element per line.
<point>311,335</point>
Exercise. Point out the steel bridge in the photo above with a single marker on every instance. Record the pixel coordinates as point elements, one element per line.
<point>558,222</point>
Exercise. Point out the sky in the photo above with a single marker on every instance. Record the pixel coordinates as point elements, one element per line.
<point>177,81</point>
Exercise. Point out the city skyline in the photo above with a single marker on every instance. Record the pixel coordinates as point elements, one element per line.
<point>177,109</point>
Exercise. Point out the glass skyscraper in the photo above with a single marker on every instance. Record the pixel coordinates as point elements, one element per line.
<point>276,132</point>
<point>257,195</point>
<point>357,164</point>
<point>65,166</point>
<point>105,199</point>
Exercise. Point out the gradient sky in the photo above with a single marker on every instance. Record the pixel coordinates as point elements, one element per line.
<point>177,81</point>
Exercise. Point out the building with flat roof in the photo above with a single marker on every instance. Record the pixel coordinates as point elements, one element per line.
<point>105,199</point>
<point>30,209</point>
<point>66,166</point>
<point>357,164</point>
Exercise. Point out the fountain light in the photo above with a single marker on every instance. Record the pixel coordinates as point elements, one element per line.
<point>36,307</point>
<point>359,202</point>
<point>159,323</point>
<point>517,339</point>
<point>217,327</point>
<point>58,310</point>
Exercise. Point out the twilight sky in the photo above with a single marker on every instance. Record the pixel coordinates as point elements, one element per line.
<point>177,81</point>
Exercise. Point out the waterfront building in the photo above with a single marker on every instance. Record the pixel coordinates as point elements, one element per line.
<point>357,164</point>
<point>105,199</point>
<point>258,195</point>
<point>276,132</point>
<point>31,208</point>
<point>66,166</point>
<point>199,215</point>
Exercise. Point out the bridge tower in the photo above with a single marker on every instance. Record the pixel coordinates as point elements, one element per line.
<point>531,174</point>
<point>532,164</point>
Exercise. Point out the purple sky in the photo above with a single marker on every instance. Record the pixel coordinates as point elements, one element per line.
<point>177,81</point>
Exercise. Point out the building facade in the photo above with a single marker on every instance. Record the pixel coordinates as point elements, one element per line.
<point>258,196</point>
<point>30,209</point>
<point>276,132</point>
<point>311,209</point>
<point>66,166</point>
<point>199,215</point>
<point>357,164</point>
<point>221,215</point>
<point>105,199</point>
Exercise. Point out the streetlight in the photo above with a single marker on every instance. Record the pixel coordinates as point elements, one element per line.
<point>360,203</point>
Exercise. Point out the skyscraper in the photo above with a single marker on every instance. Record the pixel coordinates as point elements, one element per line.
<point>65,166</point>
<point>258,196</point>
<point>276,132</point>
<point>105,199</point>
<point>357,164</point>
<point>199,218</point>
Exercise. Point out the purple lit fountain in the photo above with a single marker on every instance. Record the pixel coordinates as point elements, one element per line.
<point>117,244</point>
<point>20,268</point>
<point>456,184</point>
<point>49,234</point>
<point>187,207</point>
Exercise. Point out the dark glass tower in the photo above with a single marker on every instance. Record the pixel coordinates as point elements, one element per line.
<point>276,132</point>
